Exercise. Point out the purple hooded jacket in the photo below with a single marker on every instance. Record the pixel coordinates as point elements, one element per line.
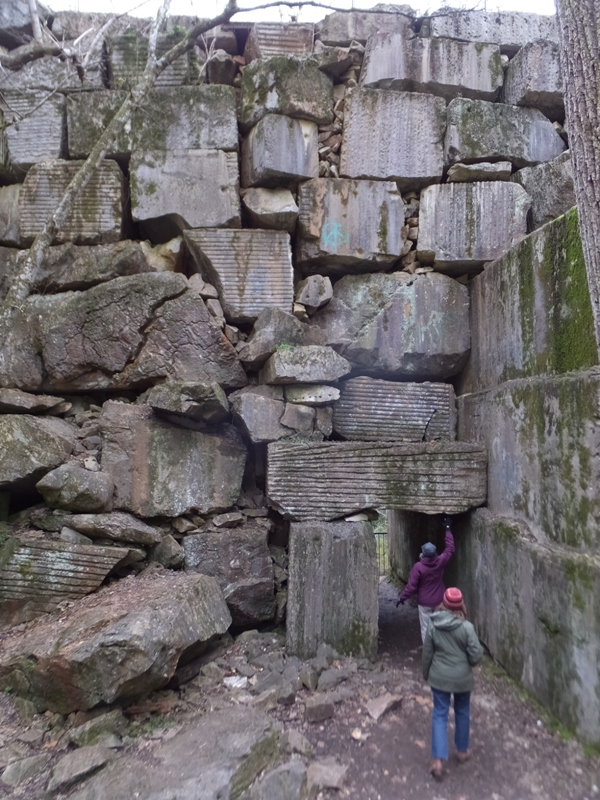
<point>426,577</point>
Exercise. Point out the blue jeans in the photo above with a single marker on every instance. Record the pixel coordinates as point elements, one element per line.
<point>439,722</point>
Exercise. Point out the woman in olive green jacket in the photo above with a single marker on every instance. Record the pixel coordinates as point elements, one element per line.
<point>450,651</point>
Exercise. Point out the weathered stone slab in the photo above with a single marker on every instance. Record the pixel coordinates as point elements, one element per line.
<point>344,27</point>
<point>481,131</point>
<point>10,230</point>
<point>74,767</point>
<point>534,79</point>
<point>443,67</point>
<point>121,644</point>
<point>335,61</point>
<point>347,225</point>
<point>328,480</point>
<point>72,488</point>
<point>285,781</point>
<point>34,127</point>
<point>267,39</point>
<point>118,526</point>
<point>484,171</point>
<point>13,401</point>
<point>272,328</point>
<point>314,395</point>
<point>162,469</point>
<point>399,325</point>
<point>280,150</point>
<point>510,30</point>
<point>97,214</point>
<point>271,208</point>
<point>304,364</point>
<point>332,589</point>
<point>238,744</point>
<point>251,269</point>
<point>178,118</point>
<point>314,292</point>
<point>175,184</point>
<point>374,410</point>
<point>550,187</point>
<point>32,446</point>
<point>240,561</point>
<point>294,87</point>
<point>396,136</point>
<point>454,223</point>
<point>259,410</point>
<point>194,401</point>
<point>128,53</point>
<point>37,575</point>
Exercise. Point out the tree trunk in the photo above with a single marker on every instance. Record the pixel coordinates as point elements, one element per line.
<point>579,25</point>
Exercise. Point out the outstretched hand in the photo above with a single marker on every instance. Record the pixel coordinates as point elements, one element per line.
<point>399,602</point>
<point>447,522</point>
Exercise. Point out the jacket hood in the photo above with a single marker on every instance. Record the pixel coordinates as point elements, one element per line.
<point>445,620</point>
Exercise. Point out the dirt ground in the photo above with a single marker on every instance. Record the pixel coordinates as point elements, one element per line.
<point>515,754</point>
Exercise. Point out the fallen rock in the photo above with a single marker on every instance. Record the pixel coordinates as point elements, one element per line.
<point>21,771</point>
<point>99,729</point>
<point>76,766</point>
<point>319,708</point>
<point>286,782</point>
<point>327,774</point>
<point>304,364</point>
<point>13,401</point>
<point>259,410</point>
<point>221,68</point>
<point>273,328</point>
<point>379,706</point>
<point>205,402</point>
<point>125,643</point>
<point>117,526</point>
<point>72,488</point>
<point>314,292</point>
<point>31,447</point>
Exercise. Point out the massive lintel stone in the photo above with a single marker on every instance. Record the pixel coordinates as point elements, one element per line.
<point>349,226</point>
<point>443,67</point>
<point>510,30</point>
<point>267,39</point>
<point>73,488</point>
<point>454,223</point>
<point>272,328</point>
<point>10,230</point>
<point>399,325</point>
<point>286,85</point>
<point>251,269</point>
<point>163,469</point>
<point>375,410</point>
<point>34,127</point>
<point>126,333</point>
<point>274,209</point>
<point>550,187</point>
<point>330,480</point>
<point>481,131</point>
<point>97,214</point>
<point>178,118</point>
<point>344,27</point>
<point>119,645</point>
<point>176,184</point>
<point>396,136</point>
<point>37,575</point>
<point>332,589</point>
<point>239,559</point>
<point>280,150</point>
<point>31,447</point>
<point>128,53</point>
<point>202,402</point>
<point>534,79</point>
<point>259,410</point>
<point>304,364</point>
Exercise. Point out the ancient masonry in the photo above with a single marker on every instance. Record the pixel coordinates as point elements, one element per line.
<point>323,270</point>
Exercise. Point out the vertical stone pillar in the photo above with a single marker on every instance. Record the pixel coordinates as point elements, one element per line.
<point>333,588</point>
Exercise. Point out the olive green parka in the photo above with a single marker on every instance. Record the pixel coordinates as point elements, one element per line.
<point>450,651</point>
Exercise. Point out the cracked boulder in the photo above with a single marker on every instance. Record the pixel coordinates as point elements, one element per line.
<point>304,364</point>
<point>123,642</point>
<point>202,402</point>
<point>72,488</point>
<point>30,447</point>
<point>259,410</point>
<point>273,328</point>
<point>399,325</point>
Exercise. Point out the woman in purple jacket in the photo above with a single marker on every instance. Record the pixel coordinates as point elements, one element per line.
<point>426,578</point>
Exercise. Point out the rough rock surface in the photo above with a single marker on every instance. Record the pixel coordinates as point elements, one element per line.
<point>10,229</point>
<point>195,401</point>
<point>534,79</point>
<point>399,325</point>
<point>314,292</point>
<point>117,526</point>
<point>304,364</point>
<point>120,644</point>
<point>280,150</point>
<point>31,447</point>
<point>271,208</point>
<point>273,328</point>
<point>484,171</point>
<point>550,187</point>
<point>332,595</point>
<point>13,401</point>
<point>34,128</point>
<point>128,52</point>
<point>395,136</point>
<point>162,469</point>
<point>259,410</point>
<point>343,28</point>
<point>73,488</point>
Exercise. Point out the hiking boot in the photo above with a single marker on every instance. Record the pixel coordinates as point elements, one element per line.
<point>436,769</point>
<point>462,757</point>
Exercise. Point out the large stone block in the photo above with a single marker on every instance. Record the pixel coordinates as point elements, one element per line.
<point>74,488</point>
<point>259,410</point>
<point>30,447</point>
<point>536,608</point>
<point>454,223</point>
<point>375,410</point>
<point>274,209</point>
<point>481,131</point>
<point>510,30</point>
<point>239,559</point>
<point>349,226</point>
<point>442,67</point>
<point>332,589</point>
<point>161,469</point>
<point>396,136</point>
<point>251,269</point>
<point>125,644</point>
<point>127,55</point>
<point>399,325</point>
<point>534,79</point>
<point>97,213</point>
<point>34,127</point>
<point>531,312</point>
<point>280,150</point>
<point>175,185</point>
<point>550,187</point>
<point>267,39</point>
<point>304,364</point>
<point>344,27</point>
<point>286,85</point>
<point>201,402</point>
<point>330,480</point>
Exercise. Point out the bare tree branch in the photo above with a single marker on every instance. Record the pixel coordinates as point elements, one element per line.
<point>15,59</point>
<point>35,21</point>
